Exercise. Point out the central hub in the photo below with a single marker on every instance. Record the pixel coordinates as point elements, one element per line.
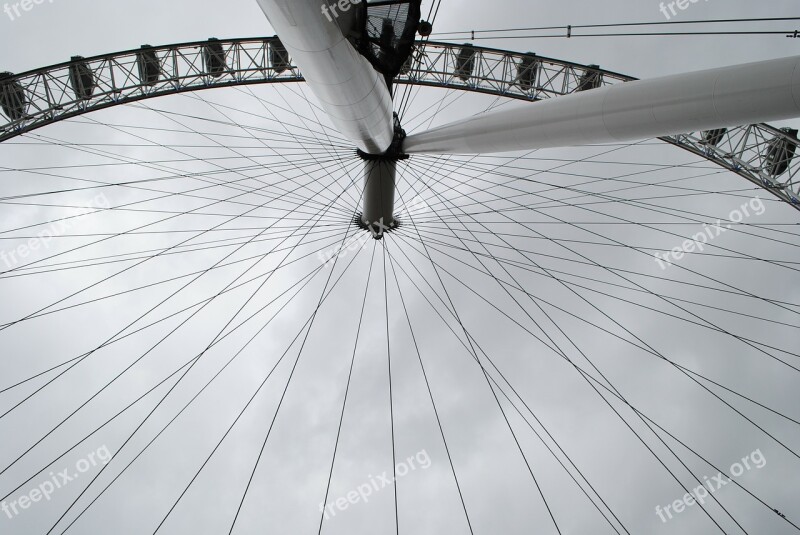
<point>380,180</point>
<point>395,151</point>
<point>378,228</point>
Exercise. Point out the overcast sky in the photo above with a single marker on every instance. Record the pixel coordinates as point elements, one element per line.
<point>576,287</point>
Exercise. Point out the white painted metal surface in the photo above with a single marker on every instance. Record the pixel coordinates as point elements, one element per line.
<point>352,92</point>
<point>725,97</point>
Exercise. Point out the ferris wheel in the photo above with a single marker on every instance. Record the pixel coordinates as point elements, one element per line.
<point>349,279</point>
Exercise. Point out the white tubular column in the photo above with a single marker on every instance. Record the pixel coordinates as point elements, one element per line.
<point>351,91</point>
<point>671,105</point>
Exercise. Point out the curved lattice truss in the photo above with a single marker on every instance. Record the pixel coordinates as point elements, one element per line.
<point>760,153</point>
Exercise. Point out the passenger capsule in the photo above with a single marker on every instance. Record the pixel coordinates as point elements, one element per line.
<point>149,67</point>
<point>279,57</point>
<point>714,137</point>
<point>527,72</point>
<point>81,78</point>
<point>12,97</point>
<point>465,62</point>
<point>780,153</point>
<point>591,78</point>
<point>214,57</point>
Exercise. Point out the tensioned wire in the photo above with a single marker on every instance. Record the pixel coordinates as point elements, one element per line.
<point>631,202</point>
<point>532,208</point>
<point>441,429</point>
<point>699,318</point>
<point>186,406</point>
<point>83,358</point>
<point>494,393</point>
<point>185,373</point>
<point>584,355</point>
<point>576,203</point>
<point>561,309</point>
<point>302,283</point>
<point>178,175</point>
<point>494,184</point>
<point>127,268</point>
<point>427,254</point>
<point>346,392</point>
<point>583,372</point>
<point>598,234</point>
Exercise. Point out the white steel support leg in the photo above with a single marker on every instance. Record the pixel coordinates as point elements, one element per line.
<point>671,105</point>
<point>354,95</point>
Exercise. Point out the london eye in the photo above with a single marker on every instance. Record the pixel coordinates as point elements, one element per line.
<point>367,276</point>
